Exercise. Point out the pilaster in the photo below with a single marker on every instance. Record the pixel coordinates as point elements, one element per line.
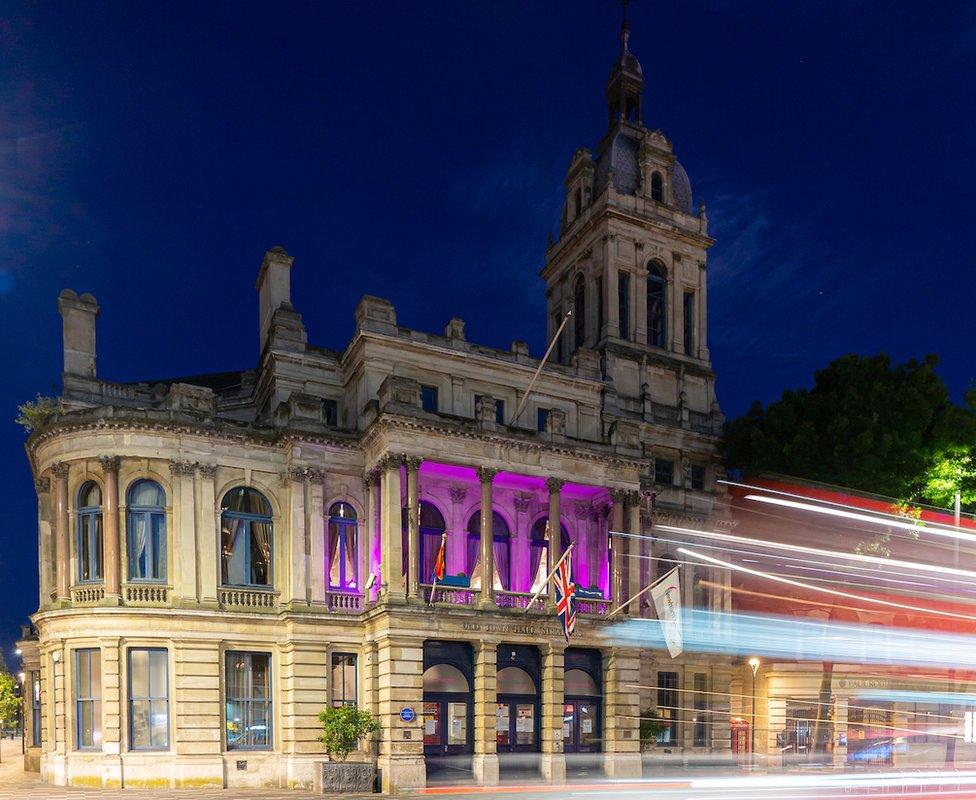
<point>400,669</point>
<point>485,706</point>
<point>618,544</point>
<point>110,530</point>
<point>555,486</point>
<point>635,544</point>
<point>183,535</point>
<point>295,589</point>
<point>391,532</point>
<point>552,760</point>
<point>208,540</point>
<point>62,550</point>
<point>370,536</point>
<point>317,543</point>
<point>621,734</point>
<point>46,560</point>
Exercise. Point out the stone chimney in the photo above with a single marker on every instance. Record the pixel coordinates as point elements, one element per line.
<point>78,332</point>
<point>274,287</point>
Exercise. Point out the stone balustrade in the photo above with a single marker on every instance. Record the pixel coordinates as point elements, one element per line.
<point>87,595</point>
<point>146,594</point>
<point>344,602</point>
<point>248,599</point>
<point>451,596</point>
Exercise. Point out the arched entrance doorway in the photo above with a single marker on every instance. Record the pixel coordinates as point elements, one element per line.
<point>583,711</point>
<point>517,682</point>
<point>448,721</point>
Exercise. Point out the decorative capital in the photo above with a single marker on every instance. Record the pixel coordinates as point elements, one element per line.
<point>554,485</point>
<point>486,474</point>
<point>521,504</point>
<point>585,511</point>
<point>315,475</point>
<point>207,470</point>
<point>294,475</point>
<point>371,478</point>
<point>59,469</point>
<point>458,493</point>
<point>391,461</point>
<point>632,498</point>
<point>603,510</point>
<point>619,496</point>
<point>109,463</point>
<point>43,485</point>
<point>177,468</point>
<point>412,463</point>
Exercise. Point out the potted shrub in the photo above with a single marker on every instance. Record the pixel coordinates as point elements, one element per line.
<point>342,728</point>
<point>651,726</point>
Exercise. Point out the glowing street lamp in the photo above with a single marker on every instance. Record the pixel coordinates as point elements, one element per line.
<point>754,666</point>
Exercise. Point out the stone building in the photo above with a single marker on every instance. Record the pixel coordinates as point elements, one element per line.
<point>223,556</point>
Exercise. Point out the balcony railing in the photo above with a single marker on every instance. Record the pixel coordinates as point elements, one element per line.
<point>451,596</point>
<point>146,594</point>
<point>248,599</point>
<point>519,600</point>
<point>344,602</point>
<point>87,595</point>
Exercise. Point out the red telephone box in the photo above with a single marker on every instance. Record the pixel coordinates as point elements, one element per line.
<point>740,737</point>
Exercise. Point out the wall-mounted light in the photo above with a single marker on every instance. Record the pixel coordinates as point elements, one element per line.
<point>370,581</point>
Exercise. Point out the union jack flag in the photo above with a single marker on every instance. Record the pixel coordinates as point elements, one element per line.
<point>565,596</point>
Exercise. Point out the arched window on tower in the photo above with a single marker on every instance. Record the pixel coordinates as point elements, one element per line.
<point>90,532</point>
<point>656,305</point>
<point>579,311</point>
<point>657,187</point>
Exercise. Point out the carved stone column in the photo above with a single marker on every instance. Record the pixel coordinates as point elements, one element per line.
<point>521,556</point>
<point>635,550</point>
<point>486,476</point>
<point>554,485</point>
<point>618,563</point>
<point>457,535</point>
<point>110,529</point>
<point>413,527</point>
<point>208,542</point>
<point>370,483</point>
<point>62,558</point>
<point>485,705</point>
<point>46,561</point>
<point>391,531</point>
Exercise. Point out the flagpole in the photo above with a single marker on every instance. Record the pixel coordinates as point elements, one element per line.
<point>433,588</point>
<point>545,583</point>
<point>528,389</point>
<point>642,591</point>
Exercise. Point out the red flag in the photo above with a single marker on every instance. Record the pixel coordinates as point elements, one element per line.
<point>439,562</point>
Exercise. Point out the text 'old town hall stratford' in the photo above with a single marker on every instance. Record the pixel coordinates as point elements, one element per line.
<point>223,556</point>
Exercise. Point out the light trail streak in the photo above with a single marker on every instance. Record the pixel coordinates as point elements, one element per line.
<point>812,587</point>
<point>892,522</point>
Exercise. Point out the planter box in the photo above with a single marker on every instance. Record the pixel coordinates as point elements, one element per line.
<point>348,777</point>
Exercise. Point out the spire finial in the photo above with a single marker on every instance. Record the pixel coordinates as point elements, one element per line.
<point>624,26</point>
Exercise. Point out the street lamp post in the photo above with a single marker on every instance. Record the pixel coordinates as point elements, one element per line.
<point>754,666</point>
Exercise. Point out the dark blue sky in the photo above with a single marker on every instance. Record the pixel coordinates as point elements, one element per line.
<point>150,153</point>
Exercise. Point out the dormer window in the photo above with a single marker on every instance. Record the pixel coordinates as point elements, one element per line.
<point>657,188</point>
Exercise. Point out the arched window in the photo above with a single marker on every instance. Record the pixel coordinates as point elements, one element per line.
<point>579,311</point>
<point>90,532</point>
<point>245,539</point>
<point>657,187</point>
<point>700,592</point>
<point>656,305</point>
<point>501,549</point>
<point>343,547</point>
<point>432,527</point>
<point>539,561</point>
<point>146,531</point>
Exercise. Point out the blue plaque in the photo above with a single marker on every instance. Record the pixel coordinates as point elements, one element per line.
<point>407,714</point>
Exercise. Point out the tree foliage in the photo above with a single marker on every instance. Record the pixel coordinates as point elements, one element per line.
<point>343,727</point>
<point>37,413</point>
<point>865,424</point>
<point>9,701</point>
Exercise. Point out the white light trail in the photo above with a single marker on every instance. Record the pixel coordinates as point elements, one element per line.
<point>812,587</point>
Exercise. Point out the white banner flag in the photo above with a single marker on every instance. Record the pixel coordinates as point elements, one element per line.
<point>667,601</point>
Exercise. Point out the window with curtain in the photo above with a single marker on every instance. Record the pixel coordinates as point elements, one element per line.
<point>343,682</point>
<point>245,539</point>
<point>579,311</point>
<point>656,305</point>
<point>247,694</point>
<point>90,532</point>
<point>623,304</point>
<point>667,706</point>
<point>343,547</point>
<point>501,550</point>
<point>432,527</point>
<point>88,699</point>
<point>148,699</point>
<point>539,560</point>
<point>146,531</point>
<point>657,187</point>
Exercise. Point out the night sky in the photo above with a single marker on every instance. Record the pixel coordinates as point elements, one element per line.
<point>151,153</point>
